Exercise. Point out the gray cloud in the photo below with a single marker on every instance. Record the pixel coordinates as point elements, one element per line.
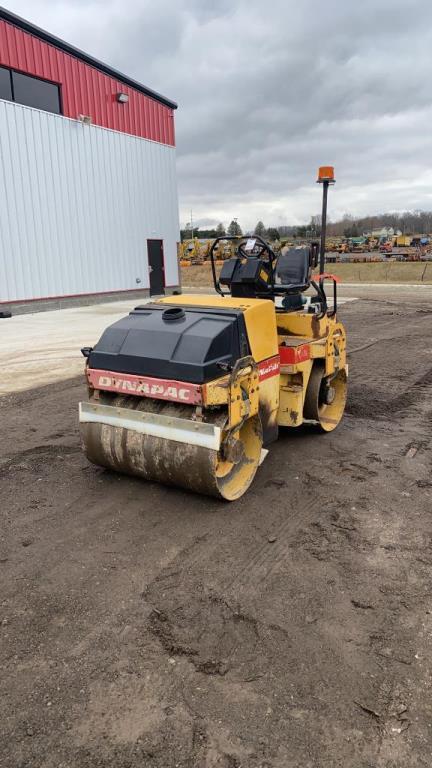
<point>269,91</point>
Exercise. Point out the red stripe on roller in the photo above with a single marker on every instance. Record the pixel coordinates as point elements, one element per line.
<point>145,386</point>
<point>293,355</point>
<point>268,368</point>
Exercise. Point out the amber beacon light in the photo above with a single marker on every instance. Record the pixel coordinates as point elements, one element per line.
<point>326,173</point>
<point>325,177</point>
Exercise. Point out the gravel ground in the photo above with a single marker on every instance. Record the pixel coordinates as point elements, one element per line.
<point>142,626</point>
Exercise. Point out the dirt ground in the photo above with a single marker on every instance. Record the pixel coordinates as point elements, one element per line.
<point>142,626</point>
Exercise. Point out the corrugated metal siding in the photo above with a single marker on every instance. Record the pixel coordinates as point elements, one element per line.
<point>77,204</point>
<point>84,89</point>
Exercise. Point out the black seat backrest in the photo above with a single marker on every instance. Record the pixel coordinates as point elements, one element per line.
<point>293,267</point>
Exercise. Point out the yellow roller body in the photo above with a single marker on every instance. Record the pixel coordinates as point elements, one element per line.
<point>295,371</point>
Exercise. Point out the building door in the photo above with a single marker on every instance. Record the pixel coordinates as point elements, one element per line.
<point>156,266</point>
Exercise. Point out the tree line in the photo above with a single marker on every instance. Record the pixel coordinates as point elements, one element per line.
<point>408,222</point>
<point>233,229</point>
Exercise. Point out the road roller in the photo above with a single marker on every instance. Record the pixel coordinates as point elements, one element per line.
<point>190,390</point>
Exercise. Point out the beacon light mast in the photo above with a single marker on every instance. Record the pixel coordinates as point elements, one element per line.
<point>325,177</point>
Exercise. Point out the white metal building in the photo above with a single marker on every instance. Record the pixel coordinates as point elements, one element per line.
<point>88,192</point>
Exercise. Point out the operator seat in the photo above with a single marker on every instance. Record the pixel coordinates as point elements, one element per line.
<point>293,269</point>
<point>293,272</point>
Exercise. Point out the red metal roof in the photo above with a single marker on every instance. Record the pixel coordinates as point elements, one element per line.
<point>85,88</point>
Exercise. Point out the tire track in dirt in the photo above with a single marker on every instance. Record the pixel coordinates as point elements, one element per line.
<point>265,558</point>
<point>369,404</point>
<point>38,453</point>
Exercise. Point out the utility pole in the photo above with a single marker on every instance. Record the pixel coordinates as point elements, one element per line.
<point>325,177</point>
<point>191,223</point>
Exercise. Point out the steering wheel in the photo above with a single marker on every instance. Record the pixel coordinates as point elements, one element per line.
<point>255,253</point>
<point>260,248</point>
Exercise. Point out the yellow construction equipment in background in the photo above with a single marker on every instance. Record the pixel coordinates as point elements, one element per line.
<point>191,252</point>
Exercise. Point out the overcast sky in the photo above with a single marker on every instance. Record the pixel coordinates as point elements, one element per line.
<point>268,91</point>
